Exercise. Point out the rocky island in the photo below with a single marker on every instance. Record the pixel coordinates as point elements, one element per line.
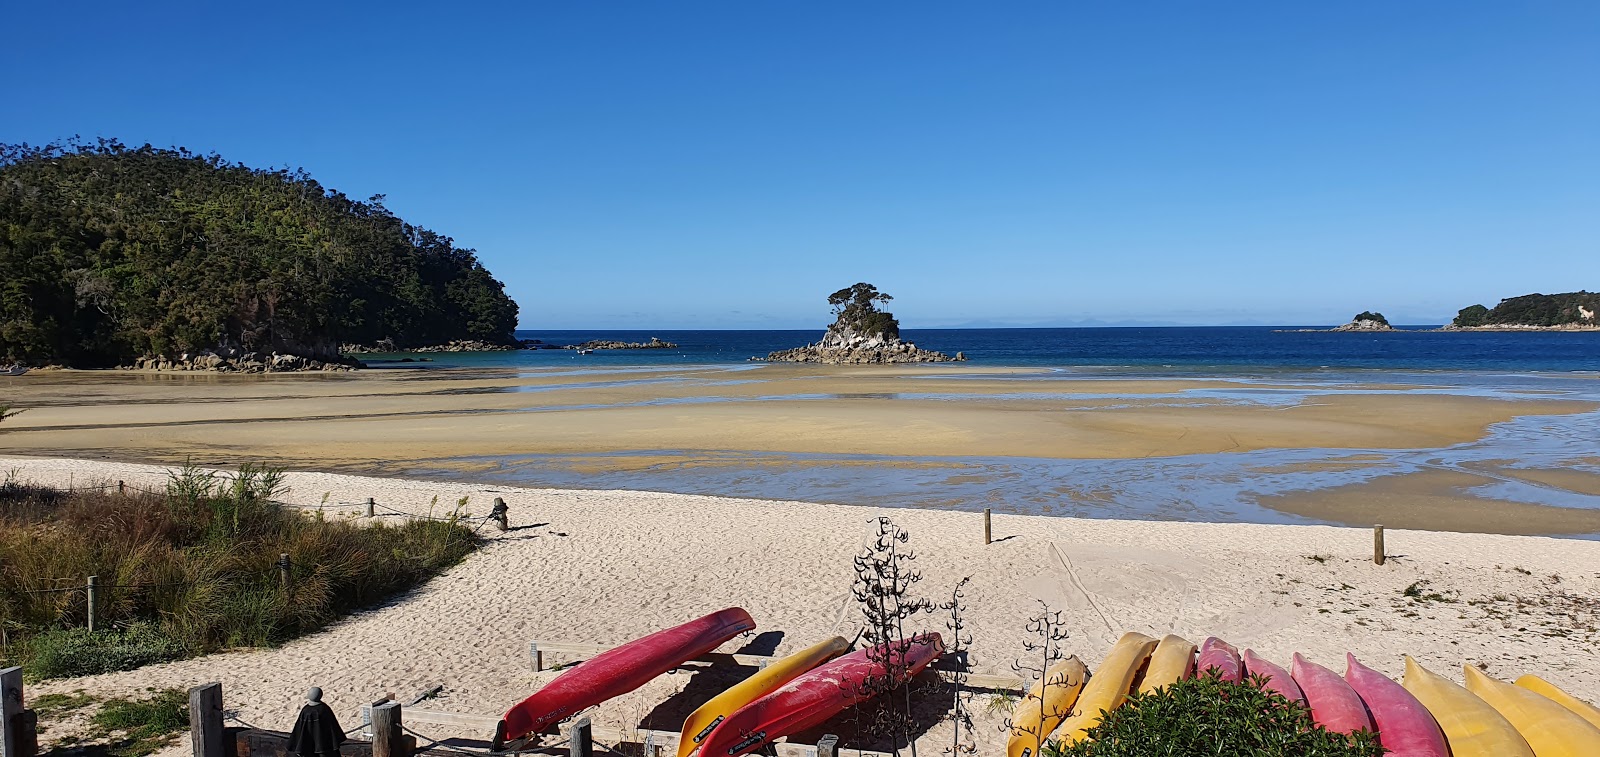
<point>1365,321</point>
<point>861,333</point>
<point>612,344</point>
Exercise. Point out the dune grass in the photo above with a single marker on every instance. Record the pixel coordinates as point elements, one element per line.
<point>191,570</point>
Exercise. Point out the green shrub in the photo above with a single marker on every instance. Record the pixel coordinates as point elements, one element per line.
<point>1368,315</point>
<point>145,724</point>
<point>193,570</point>
<point>1210,716</point>
<point>77,652</point>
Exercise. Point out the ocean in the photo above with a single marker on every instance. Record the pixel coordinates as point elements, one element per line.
<point>1232,350</point>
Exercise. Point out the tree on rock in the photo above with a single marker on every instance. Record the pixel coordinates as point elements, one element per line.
<point>1368,315</point>
<point>856,308</point>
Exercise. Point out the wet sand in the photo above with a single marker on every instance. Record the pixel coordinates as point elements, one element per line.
<point>904,417</point>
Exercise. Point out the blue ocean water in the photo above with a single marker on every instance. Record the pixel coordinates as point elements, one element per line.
<point>1173,350</point>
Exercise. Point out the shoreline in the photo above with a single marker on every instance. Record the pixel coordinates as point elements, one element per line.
<point>639,561</point>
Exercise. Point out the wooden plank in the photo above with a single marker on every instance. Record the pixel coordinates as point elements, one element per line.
<point>10,712</point>
<point>484,724</point>
<point>542,648</point>
<point>205,720</point>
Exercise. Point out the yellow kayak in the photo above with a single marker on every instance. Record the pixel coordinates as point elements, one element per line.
<point>1473,728</point>
<point>1046,705</point>
<point>1550,729</point>
<point>703,721</point>
<point>1108,688</point>
<point>1172,662</point>
<point>1548,690</point>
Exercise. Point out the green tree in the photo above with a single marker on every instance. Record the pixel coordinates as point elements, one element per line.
<point>1368,315</point>
<point>1471,315</point>
<point>112,252</point>
<point>857,307</point>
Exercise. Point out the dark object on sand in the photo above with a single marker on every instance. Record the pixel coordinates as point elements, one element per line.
<point>316,732</point>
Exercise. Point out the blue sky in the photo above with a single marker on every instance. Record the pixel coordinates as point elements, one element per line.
<point>727,165</point>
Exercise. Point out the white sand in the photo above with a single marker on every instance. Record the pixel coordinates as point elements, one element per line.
<point>608,566</point>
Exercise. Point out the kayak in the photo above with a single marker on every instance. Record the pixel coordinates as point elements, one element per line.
<point>813,697</point>
<point>1550,729</point>
<point>1548,690</point>
<point>1172,662</point>
<point>1108,688</point>
<point>1047,704</point>
<point>1219,655</point>
<point>1405,727</point>
<point>704,720</point>
<point>621,670</point>
<point>1470,725</point>
<point>1334,704</point>
<point>1278,679</point>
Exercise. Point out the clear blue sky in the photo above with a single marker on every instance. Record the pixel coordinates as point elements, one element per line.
<point>696,164</point>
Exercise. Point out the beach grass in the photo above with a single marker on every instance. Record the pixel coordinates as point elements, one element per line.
<point>191,569</point>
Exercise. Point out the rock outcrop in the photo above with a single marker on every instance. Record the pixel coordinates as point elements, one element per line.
<point>1365,324</point>
<point>611,344</point>
<point>239,361</point>
<point>848,347</point>
<point>459,345</point>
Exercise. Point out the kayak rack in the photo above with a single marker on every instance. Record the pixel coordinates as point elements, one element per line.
<point>537,650</point>
<point>656,743</point>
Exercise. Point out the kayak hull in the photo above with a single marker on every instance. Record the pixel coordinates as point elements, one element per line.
<point>621,670</point>
<point>1405,727</point>
<point>817,695</point>
<point>1278,679</point>
<point>1470,725</point>
<point>1334,704</point>
<point>1550,729</point>
<point>1047,704</point>
<point>1172,662</point>
<point>1219,655</point>
<point>1108,688</point>
<point>704,720</point>
<point>1548,690</point>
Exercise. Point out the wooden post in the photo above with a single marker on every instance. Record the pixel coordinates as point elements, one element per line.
<point>94,600</point>
<point>1378,555</point>
<point>283,571</point>
<point>502,521</point>
<point>580,738</point>
<point>387,738</point>
<point>205,720</point>
<point>536,655</point>
<point>988,532</point>
<point>370,505</point>
<point>122,487</point>
<point>828,746</point>
<point>11,740</point>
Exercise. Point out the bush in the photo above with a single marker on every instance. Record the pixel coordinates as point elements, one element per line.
<point>1208,715</point>
<point>1471,315</point>
<point>146,724</point>
<point>77,652</point>
<point>1368,315</point>
<point>192,570</point>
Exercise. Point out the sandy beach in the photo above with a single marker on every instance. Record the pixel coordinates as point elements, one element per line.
<point>605,566</point>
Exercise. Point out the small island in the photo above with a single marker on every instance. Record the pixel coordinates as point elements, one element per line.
<point>1572,311</point>
<point>861,333</point>
<point>655,343</point>
<point>1366,321</point>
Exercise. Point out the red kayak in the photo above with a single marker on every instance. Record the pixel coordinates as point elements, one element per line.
<point>1221,656</point>
<point>1334,704</point>
<point>621,670</point>
<point>1278,679</point>
<point>812,698</point>
<point>1405,727</point>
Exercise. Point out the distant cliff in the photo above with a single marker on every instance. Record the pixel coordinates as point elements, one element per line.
<point>1573,311</point>
<point>862,333</point>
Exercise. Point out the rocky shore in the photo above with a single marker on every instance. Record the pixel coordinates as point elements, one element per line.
<point>1523,327</point>
<point>611,344</point>
<point>459,345</point>
<point>1362,325</point>
<point>239,361</point>
<point>846,347</point>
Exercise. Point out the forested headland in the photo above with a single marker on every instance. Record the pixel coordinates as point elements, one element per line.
<point>109,253</point>
<point>1572,309</point>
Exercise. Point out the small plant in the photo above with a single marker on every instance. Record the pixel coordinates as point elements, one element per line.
<point>7,412</point>
<point>960,715</point>
<point>144,725</point>
<point>1048,627</point>
<point>76,652</point>
<point>1417,592</point>
<point>1210,716</point>
<point>884,579</point>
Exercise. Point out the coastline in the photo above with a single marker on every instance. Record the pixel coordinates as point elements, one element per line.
<point>638,561</point>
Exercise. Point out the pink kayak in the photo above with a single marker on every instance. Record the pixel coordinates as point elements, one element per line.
<point>1219,654</point>
<point>1405,727</point>
<point>621,670</point>
<point>1278,679</point>
<point>820,694</point>
<point>1333,703</point>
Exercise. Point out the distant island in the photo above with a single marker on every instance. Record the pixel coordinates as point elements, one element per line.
<point>862,333</point>
<point>1573,311</point>
<point>1365,321</point>
<point>167,259</point>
